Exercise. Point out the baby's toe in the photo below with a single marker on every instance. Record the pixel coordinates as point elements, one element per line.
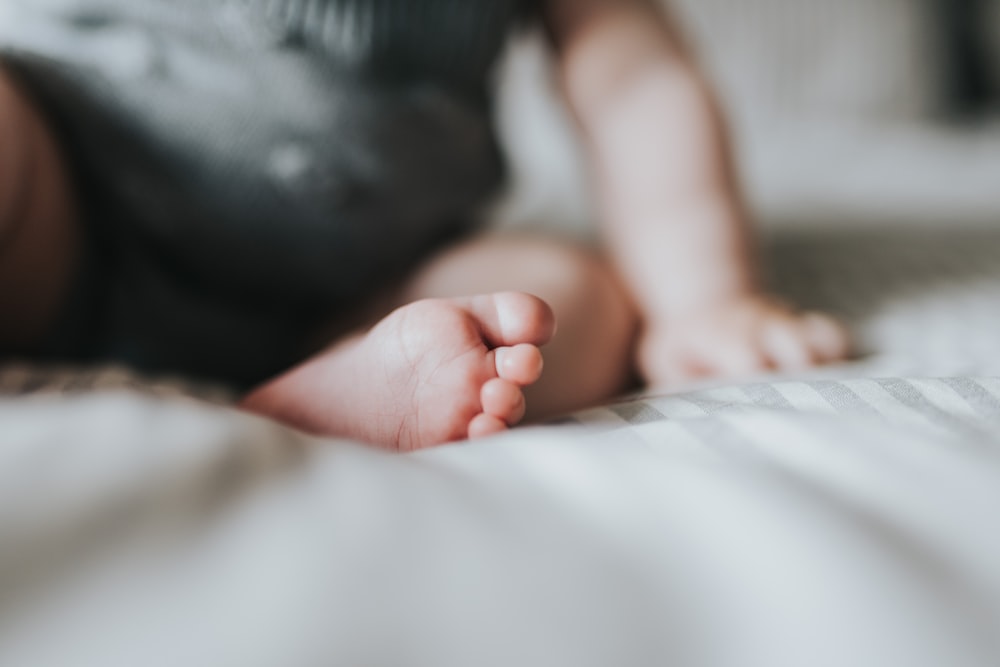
<point>510,318</point>
<point>485,425</point>
<point>521,364</point>
<point>504,400</point>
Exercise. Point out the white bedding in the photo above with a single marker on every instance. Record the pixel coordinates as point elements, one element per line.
<point>844,518</point>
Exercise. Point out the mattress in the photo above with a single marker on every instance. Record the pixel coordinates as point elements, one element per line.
<point>841,517</point>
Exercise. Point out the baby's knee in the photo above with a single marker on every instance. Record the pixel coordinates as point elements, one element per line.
<point>583,288</point>
<point>584,275</point>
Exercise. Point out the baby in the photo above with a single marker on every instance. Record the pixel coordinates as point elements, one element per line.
<point>280,195</point>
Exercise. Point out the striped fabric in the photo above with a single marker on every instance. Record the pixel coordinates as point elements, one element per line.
<point>728,418</point>
<point>453,38</point>
<point>822,523</point>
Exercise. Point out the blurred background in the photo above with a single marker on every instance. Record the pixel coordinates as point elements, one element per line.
<point>854,111</point>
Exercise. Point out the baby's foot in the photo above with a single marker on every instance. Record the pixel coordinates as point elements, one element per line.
<point>432,372</point>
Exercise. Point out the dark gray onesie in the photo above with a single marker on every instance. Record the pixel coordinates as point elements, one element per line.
<point>249,168</point>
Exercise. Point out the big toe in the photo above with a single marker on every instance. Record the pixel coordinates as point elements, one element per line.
<point>513,318</point>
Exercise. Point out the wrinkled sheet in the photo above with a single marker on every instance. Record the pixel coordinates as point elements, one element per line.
<point>822,523</point>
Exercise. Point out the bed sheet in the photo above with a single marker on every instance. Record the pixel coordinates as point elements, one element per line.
<point>847,516</point>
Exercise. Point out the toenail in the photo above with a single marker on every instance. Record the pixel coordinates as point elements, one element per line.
<point>502,358</point>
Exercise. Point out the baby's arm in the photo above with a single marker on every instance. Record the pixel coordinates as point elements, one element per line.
<point>677,226</point>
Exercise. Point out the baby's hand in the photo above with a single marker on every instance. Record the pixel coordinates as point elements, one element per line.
<point>738,339</point>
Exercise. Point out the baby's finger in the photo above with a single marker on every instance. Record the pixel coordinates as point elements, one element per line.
<point>787,344</point>
<point>828,339</point>
<point>686,370</point>
<point>670,369</point>
<point>733,355</point>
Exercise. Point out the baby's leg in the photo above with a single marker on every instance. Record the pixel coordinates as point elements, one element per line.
<point>39,237</point>
<point>426,374</point>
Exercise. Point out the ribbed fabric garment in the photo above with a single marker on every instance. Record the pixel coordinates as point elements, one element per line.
<point>251,169</point>
<point>400,39</point>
